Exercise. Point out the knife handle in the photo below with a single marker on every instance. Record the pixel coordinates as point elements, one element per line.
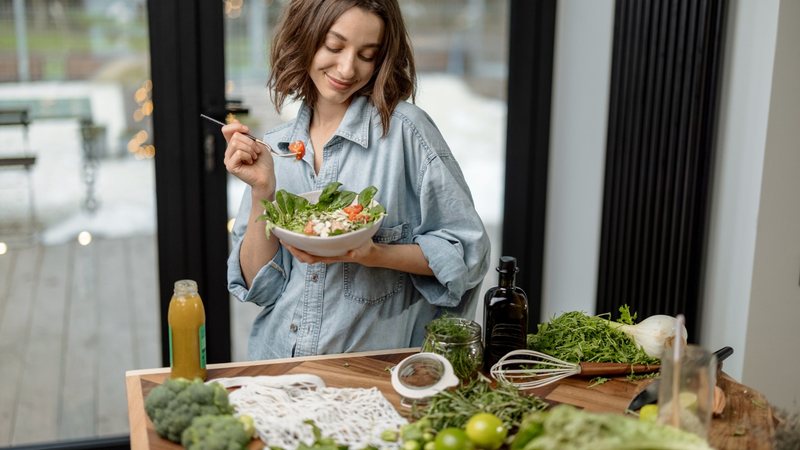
<point>723,353</point>
<point>596,369</point>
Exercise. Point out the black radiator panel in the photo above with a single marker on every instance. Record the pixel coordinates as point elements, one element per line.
<point>665,74</point>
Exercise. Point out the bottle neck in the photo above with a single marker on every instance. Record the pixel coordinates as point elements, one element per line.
<point>506,280</point>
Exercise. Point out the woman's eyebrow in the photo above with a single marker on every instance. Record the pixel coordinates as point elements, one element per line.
<point>342,38</point>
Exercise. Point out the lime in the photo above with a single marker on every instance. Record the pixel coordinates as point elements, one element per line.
<point>486,431</point>
<point>452,439</point>
<point>648,413</point>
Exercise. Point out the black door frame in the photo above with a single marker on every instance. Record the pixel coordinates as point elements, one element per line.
<point>530,81</point>
<point>187,54</point>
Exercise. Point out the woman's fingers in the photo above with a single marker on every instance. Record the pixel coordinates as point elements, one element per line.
<point>232,128</point>
<point>242,148</point>
<point>308,258</point>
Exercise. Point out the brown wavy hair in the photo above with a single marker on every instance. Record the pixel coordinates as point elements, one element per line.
<point>302,31</point>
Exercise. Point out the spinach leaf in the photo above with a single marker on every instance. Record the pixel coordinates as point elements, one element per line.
<point>329,193</point>
<point>345,198</point>
<point>298,203</point>
<point>271,213</point>
<point>285,204</point>
<point>376,211</point>
<point>365,196</point>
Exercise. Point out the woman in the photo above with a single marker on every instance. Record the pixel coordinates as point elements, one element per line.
<point>351,64</point>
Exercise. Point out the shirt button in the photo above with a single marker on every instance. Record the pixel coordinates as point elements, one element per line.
<point>293,328</point>
<point>314,277</point>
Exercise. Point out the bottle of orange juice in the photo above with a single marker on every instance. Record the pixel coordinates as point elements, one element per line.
<point>187,332</point>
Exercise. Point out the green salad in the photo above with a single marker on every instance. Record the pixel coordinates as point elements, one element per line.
<point>336,212</point>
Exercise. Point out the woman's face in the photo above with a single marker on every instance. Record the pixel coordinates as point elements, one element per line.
<point>346,60</point>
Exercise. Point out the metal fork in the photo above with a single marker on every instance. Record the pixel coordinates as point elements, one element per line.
<point>282,155</point>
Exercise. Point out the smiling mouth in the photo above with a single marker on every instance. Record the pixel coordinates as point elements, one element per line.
<point>338,84</point>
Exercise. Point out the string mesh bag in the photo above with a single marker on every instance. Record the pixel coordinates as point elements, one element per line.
<point>350,416</point>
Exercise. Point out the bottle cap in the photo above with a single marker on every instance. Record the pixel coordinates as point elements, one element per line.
<point>508,264</point>
<point>185,287</point>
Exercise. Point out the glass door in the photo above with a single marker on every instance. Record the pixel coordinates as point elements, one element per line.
<point>78,237</point>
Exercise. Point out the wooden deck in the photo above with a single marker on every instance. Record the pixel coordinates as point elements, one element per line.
<point>73,319</point>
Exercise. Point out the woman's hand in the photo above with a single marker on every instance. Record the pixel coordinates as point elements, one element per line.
<point>248,160</point>
<point>403,257</point>
<point>358,255</point>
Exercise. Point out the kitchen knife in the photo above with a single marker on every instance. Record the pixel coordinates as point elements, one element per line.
<point>650,393</point>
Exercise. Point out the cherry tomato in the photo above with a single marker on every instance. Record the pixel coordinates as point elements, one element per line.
<point>352,211</point>
<point>486,431</point>
<point>298,148</point>
<point>452,439</point>
<point>309,228</point>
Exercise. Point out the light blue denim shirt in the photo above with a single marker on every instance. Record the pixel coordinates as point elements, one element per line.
<point>343,307</point>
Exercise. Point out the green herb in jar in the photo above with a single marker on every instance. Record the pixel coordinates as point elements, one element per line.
<point>458,340</point>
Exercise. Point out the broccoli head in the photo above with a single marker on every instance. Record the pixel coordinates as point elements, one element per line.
<point>217,433</point>
<point>172,405</point>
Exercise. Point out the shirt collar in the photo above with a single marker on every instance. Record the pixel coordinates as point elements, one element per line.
<point>354,127</point>
<point>356,122</point>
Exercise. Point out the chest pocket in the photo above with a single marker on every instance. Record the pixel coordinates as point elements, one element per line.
<point>373,285</point>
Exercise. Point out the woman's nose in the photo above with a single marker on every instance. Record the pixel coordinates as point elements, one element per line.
<point>347,65</point>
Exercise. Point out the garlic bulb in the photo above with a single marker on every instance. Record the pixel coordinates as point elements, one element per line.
<point>653,334</point>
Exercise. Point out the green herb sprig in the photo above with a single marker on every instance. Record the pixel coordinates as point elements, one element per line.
<point>578,337</point>
<point>453,408</point>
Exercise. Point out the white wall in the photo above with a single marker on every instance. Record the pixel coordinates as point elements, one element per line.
<point>744,112</point>
<point>581,72</point>
<point>771,364</point>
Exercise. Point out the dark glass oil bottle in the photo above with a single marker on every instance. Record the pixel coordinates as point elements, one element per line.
<point>505,315</point>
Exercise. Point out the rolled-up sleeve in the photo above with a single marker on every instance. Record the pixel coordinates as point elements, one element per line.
<point>271,279</point>
<point>451,235</point>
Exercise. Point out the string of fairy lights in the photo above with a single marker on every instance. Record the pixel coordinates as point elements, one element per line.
<point>138,144</point>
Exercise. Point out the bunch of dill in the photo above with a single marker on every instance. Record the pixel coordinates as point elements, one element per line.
<point>578,337</point>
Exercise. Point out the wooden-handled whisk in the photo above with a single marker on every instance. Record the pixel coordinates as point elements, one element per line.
<point>529,369</point>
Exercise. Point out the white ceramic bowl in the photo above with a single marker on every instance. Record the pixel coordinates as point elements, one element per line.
<point>326,246</point>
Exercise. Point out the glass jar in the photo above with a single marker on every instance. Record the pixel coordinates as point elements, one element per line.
<point>458,340</point>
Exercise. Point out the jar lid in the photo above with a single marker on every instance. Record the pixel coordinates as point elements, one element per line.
<point>423,375</point>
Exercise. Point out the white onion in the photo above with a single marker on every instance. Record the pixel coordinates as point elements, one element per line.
<point>653,334</point>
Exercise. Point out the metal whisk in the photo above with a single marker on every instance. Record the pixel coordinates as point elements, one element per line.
<point>529,369</point>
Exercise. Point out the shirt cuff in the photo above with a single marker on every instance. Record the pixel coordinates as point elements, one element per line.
<point>271,274</point>
<point>446,260</point>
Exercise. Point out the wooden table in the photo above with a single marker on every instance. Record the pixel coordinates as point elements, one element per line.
<point>747,422</point>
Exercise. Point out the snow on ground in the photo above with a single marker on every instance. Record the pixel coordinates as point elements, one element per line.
<point>473,126</point>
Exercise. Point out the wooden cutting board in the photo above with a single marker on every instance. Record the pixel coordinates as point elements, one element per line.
<point>747,423</point>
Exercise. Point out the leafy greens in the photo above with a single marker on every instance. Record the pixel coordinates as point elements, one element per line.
<point>294,212</point>
<point>578,337</point>
<point>565,427</point>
